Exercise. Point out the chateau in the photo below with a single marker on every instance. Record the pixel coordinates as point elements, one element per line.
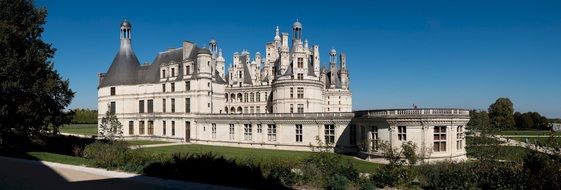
<point>283,99</point>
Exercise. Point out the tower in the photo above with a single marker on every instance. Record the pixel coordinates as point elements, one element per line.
<point>332,67</point>
<point>125,34</point>
<point>212,47</point>
<point>343,71</point>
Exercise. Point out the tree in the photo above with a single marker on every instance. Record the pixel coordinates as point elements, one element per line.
<point>84,116</point>
<point>110,127</point>
<point>33,95</point>
<point>479,120</point>
<point>501,113</point>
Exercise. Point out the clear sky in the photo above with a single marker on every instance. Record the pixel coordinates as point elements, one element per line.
<point>462,54</point>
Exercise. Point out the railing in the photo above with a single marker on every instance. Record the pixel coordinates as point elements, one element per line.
<point>430,111</point>
<point>280,115</point>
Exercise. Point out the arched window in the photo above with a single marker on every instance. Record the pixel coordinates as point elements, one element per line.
<point>240,97</point>
<point>232,97</point>
<point>226,96</point>
<point>232,110</point>
<point>240,110</point>
<point>226,108</point>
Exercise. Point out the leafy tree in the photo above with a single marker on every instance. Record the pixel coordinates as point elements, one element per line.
<point>479,120</point>
<point>33,94</point>
<point>84,116</point>
<point>501,113</point>
<point>110,127</point>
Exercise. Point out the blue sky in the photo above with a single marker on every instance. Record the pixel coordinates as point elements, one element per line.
<point>462,54</point>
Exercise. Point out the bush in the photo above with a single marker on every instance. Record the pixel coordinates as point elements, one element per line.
<point>283,172</point>
<point>107,154</point>
<point>337,182</point>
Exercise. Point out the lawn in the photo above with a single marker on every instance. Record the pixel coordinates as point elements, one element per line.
<point>60,158</point>
<point>145,142</point>
<point>259,155</point>
<point>510,153</point>
<point>80,129</point>
<point>526,132</point>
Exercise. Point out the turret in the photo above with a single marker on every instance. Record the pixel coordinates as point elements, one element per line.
<point>343,71</point>
<point>203,61</point>
<point>123,70</point>
<point>220,63</point>
<point>212,47</point>
<point>332,67</point>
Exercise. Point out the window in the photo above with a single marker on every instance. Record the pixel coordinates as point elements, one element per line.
<point>141,106</point>
<point>300,62</point>
<point>300,108</point>
<point>298,132</point>
<point>187,85</point>
<point>247,132</point>
<point>231,132</point>
<point>164,127</point>
<point>259,128</point>
<point>266,97</point>
<point>252,98</point>
<point>245,110</point>
<point>164,105</point>
<point>172,128</point>
<point>112,91</point>
<point>141,127</point>
<point>172,72</point>
<point>460,137</point>
<point>213,130</point>
<point>375,139</point>
<point>187,70</point>
<point>150,106</point>
<point>439,139</point>
<point>245,97</point>
<point>257,96</point>
<point>163,73</point>
<point>163,87</point>
<point>291,108</point>
<point>352,134</point>
<point>329,133</point>
<point>150,127</point>
<point>187,105</point>
<point>131,127</point>
<point>272,132</point>
<point>172,87</point>
<point>300,92</point>
<point>291,92</point>
<point>173,105</point>
<point>257,109</point>
<point>402,133</point>
<point>300,76</point>
<point>251,109</point>
<point>112,107</point>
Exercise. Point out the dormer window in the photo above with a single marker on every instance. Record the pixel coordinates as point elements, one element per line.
<point>300,62</point>
<point>163,73</point>
<point>187,70</point>
<point>112,91</point>
<point>172,72</point>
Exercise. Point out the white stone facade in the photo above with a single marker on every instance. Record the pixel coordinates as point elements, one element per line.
<point>284,100</point>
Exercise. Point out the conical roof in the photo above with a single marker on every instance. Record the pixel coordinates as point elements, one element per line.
<point>123,70</point>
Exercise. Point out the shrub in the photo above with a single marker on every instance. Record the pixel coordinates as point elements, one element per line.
<point>282,171</point>
<point>107,154</point>
<point>337,182</point>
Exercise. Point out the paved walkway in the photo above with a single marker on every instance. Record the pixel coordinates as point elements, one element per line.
<point>30,174</point>
<point>158,145</point>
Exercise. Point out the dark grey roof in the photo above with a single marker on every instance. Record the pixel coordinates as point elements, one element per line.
<point>204,51</point>
<point>123,70</point>
<point>218,78</point>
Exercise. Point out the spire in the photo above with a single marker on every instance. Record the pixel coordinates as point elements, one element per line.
<point>125,34</point>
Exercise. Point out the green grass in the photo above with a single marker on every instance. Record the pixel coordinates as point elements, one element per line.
<point>509,153</point>
<point>259,155</point>
<point>145,142</point>
<point>81,129</point>
<point>475,140</point>
<point>60,158</point>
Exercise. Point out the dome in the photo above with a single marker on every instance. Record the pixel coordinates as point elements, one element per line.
<point>212,41</point>
<point>333,52</point>
<point>126,23</point>
<point>297,25</point>
<point>204,51</point>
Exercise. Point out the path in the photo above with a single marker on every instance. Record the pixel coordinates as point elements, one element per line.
<point>158,145</point>
<point>30,174</point>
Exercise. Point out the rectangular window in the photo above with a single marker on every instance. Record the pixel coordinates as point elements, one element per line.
<point>298,132</point>
<point>187,85</point>
<point>247,132</point>
<point>172,128</point>
<point>259,128</point>
<point>172,87</point>
<point>131,127</point>
<point>164,105</point>
<point>150,127</point>
<point>257,109</point>
<point>164,127</point>
<point>187,105</point>
<point>150,106</point>
<point>112,107</point>
<point>329,133</point>
<point>231,132</point>
<point>163,73</point>
<point>300,108</point>
<point>172,72</point>
<point>352,134</point>
<point>252,98</point>
<point>300,92</point>
<point>141,127</point>
<point>173,105</point>
<point>272,132</point>
<point>402,133</point>
<point>141,106</point>
<point>300,76</point>
<point>300,62</point>
<point>439,139</point>
<point>112,91</point>
<point>291,92</point>
<point>187,70</point>
<point>375,139</point>
<point>214,130</point>
<point>245,97</point>
<point>251,109</point>
<point>291,108</point>
<point>163,87</point>
<point>258,96</point>
<point>460,137</point>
